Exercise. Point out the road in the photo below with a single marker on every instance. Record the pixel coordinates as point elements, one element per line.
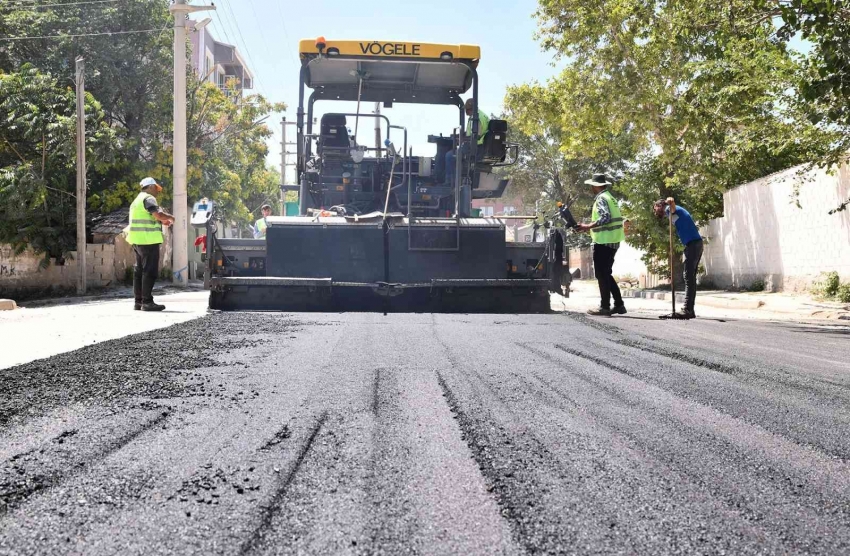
<point>261,433</point>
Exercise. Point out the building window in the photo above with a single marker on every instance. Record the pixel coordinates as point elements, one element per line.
<point>487,211</point>
<point>510,210</point>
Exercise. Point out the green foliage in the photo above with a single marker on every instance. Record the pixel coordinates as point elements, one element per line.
<point>545,173</point>
<point>691,98</point>
<point>756,286</point>
<point>226,147</point>
<point>826,285</point>
<point>38,160</point>
<point>829,286</point>
<point>577,241</point>
<point>128,73</point>
<point>825,87</point>
<point>129,127</point>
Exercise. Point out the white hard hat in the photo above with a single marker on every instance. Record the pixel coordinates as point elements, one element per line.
<point>147,182</point>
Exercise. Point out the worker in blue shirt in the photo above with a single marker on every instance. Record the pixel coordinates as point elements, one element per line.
<point>690,238</point>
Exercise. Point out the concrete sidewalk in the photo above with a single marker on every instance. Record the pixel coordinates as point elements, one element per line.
<point>715,304</point>
<point>60,325</point>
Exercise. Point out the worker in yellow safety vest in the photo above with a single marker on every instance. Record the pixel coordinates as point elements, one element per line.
<point>145,235</point>
<point>450,163</point>
<point>606,232</point>
<point>261,224</point>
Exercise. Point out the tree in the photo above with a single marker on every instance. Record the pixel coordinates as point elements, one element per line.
<point>825,87</point>
<point>125,70</point>
<point>544,172</point>
<point>226,146</point>
<point>38,160</point>
<point>701,87</point>
<point>226,136</point>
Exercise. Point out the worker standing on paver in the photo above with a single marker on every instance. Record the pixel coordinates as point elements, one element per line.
<point>261,225</point>
<point>145,235</point>
<point>483,123</point>
<point>606,232</point>
<point>692,240</point>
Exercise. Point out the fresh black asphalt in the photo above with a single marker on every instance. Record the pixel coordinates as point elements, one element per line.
<point>264,433</point>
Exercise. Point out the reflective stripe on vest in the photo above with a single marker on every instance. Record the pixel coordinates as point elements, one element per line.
<point>144,228</point>
<point>611,232</point>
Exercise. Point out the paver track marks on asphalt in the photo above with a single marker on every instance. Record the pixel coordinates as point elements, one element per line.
<point>788,488</point>
<point>13,498</point>
<point>785,424</point>
<point>785,377</point>
<point>274,504</point>
<point>376,387</point>
<point>495,478</point>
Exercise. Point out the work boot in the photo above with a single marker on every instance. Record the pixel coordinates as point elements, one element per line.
<point>685,314</point>
<point>599,312</point>
<point>151,306</point>
<point>619,310</point>
<point>137,306</point>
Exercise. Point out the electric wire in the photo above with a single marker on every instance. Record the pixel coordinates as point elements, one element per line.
<point>244,44</point>
<point>285,34</point>
<point>66,36</point>
<point>42,6</point>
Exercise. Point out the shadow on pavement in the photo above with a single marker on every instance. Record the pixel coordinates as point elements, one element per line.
<point>831,331</point>
<point>654,318</point>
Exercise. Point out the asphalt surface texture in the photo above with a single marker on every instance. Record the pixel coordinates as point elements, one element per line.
<point>264,433</point>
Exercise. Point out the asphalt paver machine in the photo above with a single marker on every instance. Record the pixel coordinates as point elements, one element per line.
<point>378,228</point>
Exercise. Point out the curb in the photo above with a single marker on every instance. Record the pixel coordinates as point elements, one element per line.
<point>647,294</point>
<point>706,300</point>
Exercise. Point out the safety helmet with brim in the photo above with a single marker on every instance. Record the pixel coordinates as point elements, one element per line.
<point>147,182</point>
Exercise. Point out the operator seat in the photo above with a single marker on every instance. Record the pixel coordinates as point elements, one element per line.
<point>495,147</point>
<point>334,132</point>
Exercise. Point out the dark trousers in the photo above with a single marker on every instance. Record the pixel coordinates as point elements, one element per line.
<point>146,271</point>
<point>693,254</point>
<point>450,166</point>
<point>603,266</point>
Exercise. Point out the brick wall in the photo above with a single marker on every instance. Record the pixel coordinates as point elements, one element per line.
<point>582,259</point>
<point>764,235</point>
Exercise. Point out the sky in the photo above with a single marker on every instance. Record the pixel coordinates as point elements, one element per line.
<point>267,32</point>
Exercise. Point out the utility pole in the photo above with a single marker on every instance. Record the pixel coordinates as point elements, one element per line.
<point>81,175</point>
<point>180,231</point>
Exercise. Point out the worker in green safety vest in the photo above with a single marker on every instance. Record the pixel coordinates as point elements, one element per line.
<point>145,235</point>
<point>450,163</point>
<point>606,232</point>
<point>483,120</point>
<point>261,225</point>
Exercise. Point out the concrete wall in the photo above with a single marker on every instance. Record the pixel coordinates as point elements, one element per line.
<point>627,262</point>
<point>763,235</point>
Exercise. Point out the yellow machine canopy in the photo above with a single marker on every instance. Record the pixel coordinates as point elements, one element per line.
<point>403,72</point>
